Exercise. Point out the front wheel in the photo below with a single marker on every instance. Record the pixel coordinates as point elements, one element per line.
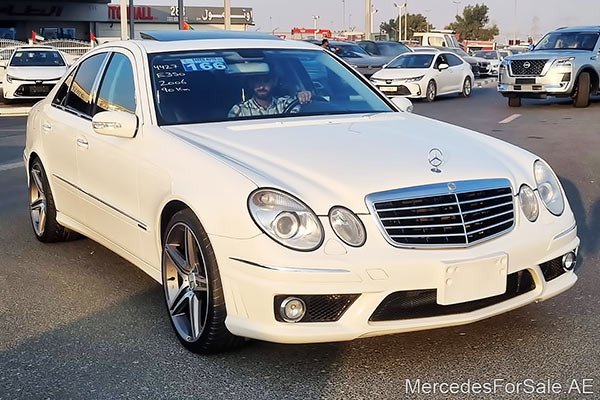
<point>431,91</point>
<point>192,286</point>
<point>467,87</point>
<point>514,102</point>
<point>42,210</point>
<point>582,91</point>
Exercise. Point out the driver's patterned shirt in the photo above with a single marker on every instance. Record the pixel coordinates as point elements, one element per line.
<point>251,108</point>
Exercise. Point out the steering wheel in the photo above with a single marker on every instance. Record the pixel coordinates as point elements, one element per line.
<point>294,103</point>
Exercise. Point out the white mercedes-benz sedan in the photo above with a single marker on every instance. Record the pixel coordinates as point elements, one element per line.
<point>276,194</point>
<point>425,75</point>
<point>32,72</point>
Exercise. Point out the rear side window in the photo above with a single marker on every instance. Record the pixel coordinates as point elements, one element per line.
<point>80,94</point>
<point>117,90</point>
<point>453,60</point>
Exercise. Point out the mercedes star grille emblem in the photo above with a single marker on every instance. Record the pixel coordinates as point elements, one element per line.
<point>436,158</point>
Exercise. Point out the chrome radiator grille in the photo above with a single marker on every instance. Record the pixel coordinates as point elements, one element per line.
<point>456,214</point>
<point>527,67</point>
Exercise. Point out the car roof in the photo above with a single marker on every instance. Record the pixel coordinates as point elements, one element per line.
<point>423,49</point>
<point>594,28</point>
<point>221,42</point>
<point>40,47</point>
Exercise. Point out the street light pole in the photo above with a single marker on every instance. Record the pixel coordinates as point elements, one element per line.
<point>343,15</point>
<point>123,13</point>
<point>516,23</point>
<point>227,14</point>
<point>406,20</point>
<point>368,27</point>
<point>457,4</point>
<point>131,20</point>
<point>180,10</point>
<point>315,19</point>
<point>399,7</point>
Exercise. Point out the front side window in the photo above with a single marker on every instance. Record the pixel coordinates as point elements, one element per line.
<point>392,49</point>
<point>36,58</point>
<point>412,61</point>
<point>221,85</point>
<point>568,41</point>
<point>453,60</point>
<point>80,94</point>
<point>349,50</point>
<point>117,90</point>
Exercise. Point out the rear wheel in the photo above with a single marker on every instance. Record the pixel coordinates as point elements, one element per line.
<point>582,92</point>
<point>42,209</point>
<point>431,91</point>
<point>514,102</point>
<point>467,87</point>
<point>193,293</point>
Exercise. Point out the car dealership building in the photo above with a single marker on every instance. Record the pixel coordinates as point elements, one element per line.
<point>79,19</point>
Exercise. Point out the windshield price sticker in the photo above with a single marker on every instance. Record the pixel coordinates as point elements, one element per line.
<point>204,64</point>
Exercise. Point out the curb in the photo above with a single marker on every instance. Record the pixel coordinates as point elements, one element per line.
<point>14,111</point>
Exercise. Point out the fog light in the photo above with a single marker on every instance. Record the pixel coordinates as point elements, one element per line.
<point>568,261</point>
<point>292,309</point>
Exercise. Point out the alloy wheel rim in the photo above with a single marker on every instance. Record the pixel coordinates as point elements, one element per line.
<point>431,91</point>
<point>185,282</point>
<point>467,87</point>
<point>38,204</point>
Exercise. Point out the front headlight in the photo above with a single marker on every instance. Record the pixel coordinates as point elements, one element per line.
<point>9,78</point>
<point>548,188</point>
<point>564,61</point>
<point>286,219</point>
<point>347,226</point>
<point>529,203</point>
<point>414,79</point>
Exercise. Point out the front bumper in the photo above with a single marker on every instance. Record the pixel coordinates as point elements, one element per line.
<point>373,271</point>
<point>23,89</point>
<point>558,81</point>
<point>403,89</point>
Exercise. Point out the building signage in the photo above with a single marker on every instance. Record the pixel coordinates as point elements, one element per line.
<point>95,12</point>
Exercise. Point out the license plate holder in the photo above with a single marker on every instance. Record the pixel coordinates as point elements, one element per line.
<point>389,88</point>
<point>42,89</point>
<point>468,280</point>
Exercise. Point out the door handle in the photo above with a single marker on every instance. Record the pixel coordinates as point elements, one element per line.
<point>82,142</point>
<point>46,127</point>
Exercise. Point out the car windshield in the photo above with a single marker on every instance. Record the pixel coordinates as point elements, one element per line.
<point>458,51</point>
<point>392,49</point>
<point>412,61</point>
<point>36,58</point>
<point>349,50</point>
<point>488,55</point>
<point>568,41</point>
<point>221,85</point>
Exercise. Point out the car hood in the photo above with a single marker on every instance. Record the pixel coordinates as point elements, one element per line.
<point>534,55</point>
<point>396,73</point>
<point>365,61</point>
<point>36,73</point>
<point>338,160</point>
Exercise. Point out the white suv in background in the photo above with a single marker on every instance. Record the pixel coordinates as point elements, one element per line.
<point>564,63</point>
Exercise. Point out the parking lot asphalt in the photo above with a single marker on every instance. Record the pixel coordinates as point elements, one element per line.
<point>77,321</point>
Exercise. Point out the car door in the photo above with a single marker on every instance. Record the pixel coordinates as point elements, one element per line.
<point>443,79</point>
<point>107,165</point>
<point>457,73</point>
<point>63,120</point>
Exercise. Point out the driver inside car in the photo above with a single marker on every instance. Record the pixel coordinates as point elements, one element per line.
<point>263,102</point>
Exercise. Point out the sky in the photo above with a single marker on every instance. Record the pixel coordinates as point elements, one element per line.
<point>534,17</point>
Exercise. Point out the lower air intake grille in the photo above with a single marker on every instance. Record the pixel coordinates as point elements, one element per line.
<point>552,269</point>
<point>423,303</point>
<point>454,214</point>
<point>320,308</point>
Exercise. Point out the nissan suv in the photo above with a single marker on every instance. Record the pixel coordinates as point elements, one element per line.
<point>564,63</point>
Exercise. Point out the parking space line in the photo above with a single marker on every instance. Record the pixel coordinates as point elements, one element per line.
<point>6,167</point>
<point>509,119</point>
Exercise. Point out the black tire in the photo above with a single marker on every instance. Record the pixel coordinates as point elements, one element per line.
<point>582,92</point>
<point>431,91</point>
<point>467,87</point>
<point>514,102</point>
<point>214,337</point>
<point>51,231</point>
